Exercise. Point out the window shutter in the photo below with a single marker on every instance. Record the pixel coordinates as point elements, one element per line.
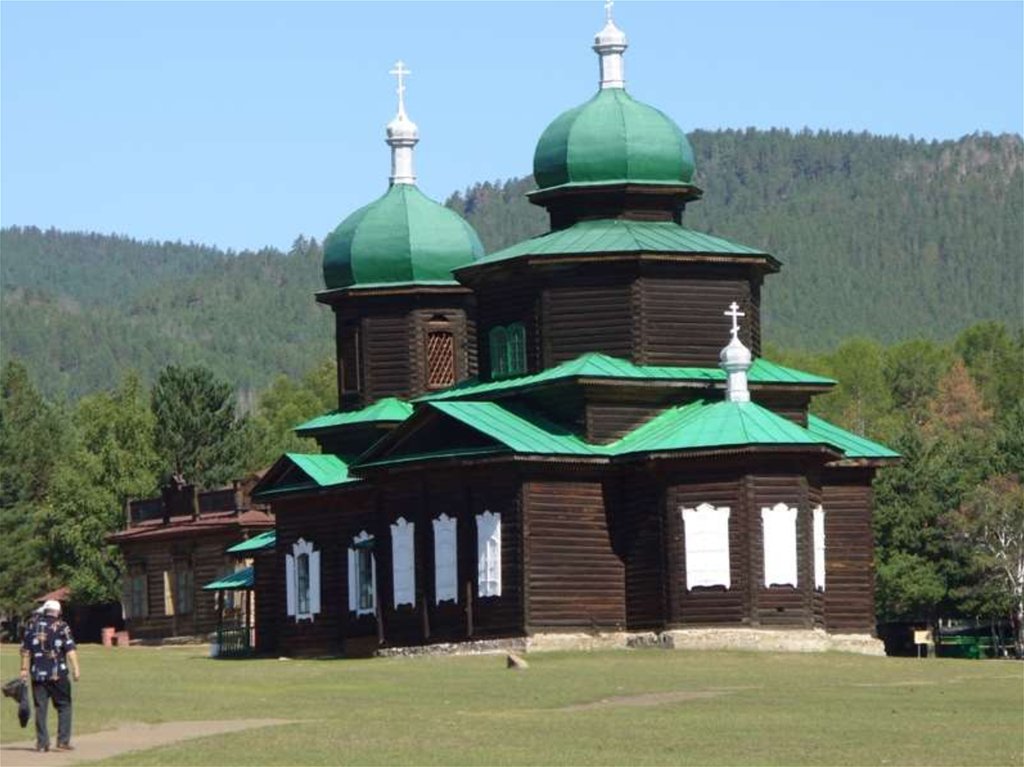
<point>499,351</point>
<point>128,596</point>
<point>373,580</point>
<point>289,582</point>
<point>314,582</point>
<point>819,548</point>
<point>446,566</point>
<point>168,592</point>
<point>706,531</point>
<point>779,526</point>
<point>353,589</point>
<point>403,562</point>
<point>516,341</point>
<point>488,542</point>
<point>144,578</point>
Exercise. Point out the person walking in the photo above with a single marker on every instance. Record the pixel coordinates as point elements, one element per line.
<point>47,653</point>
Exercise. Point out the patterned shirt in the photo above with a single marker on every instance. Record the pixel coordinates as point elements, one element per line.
<point>48,641</point>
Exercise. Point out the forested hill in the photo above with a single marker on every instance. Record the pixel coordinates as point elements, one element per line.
<point>879,236</point>
<point>883,237</point>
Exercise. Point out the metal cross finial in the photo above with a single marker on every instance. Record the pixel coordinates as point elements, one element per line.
<point>735,313</point>
<point>608,9</point>
<point>400,72</point>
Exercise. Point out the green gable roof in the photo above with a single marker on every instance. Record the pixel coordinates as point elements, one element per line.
<point>597,365</point>
<point>259,542</point>
<point>621,236</point>
<point>852,445</point>
<point>402,237</point>
<point>238,580</point>
<point>298,472</point>
<point>612,138</point>
<point>388,409</point>
<point>713,425</point>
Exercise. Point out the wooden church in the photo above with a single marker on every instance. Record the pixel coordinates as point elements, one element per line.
<point>575,434</point>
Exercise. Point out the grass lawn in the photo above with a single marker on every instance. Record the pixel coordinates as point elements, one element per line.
<point>661,707</point>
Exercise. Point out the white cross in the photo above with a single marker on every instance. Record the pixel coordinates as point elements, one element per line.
<point>735,313</point>
<point>400,72</point>
<point>608,9</point>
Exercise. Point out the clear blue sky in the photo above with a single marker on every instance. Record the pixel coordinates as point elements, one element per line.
<point>246,124</point>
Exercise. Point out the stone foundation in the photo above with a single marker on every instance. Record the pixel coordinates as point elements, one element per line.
<point>758,640</point>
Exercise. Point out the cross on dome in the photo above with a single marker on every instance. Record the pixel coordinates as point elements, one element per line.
<point>402,133</point>
<point>735,313</point>
<point>609,45</point>
<point>400,72</point>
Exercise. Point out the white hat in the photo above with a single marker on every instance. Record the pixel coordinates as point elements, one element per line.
<point>51,606</point>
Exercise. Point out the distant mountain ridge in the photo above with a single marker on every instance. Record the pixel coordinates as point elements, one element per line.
<point>884,237</point>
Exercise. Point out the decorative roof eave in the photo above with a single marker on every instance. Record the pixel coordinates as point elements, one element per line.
<point>480,456</point>
<point>687,192</point>
<point>726,450</point>
<point>470,273</point>
<point>320,470</point>
<point>412,287</point>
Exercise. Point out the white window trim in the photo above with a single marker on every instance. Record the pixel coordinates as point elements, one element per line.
<point>353,577</point>
<point>706,542</point>
<point>446,536</point>
<point>820,548</point>
<point>403,562</point>
<point>488,548</point>
<point>300,547</point>
<point>778,525</point>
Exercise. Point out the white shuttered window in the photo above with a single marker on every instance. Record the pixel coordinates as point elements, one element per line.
<point>706,531</point>
<point>362,575</point>
<point>819,548</point>
<point>446,564</point>
<point>302,580</point>
<point>779,526</point>
<point>403,562</point>
<point>488,548</point>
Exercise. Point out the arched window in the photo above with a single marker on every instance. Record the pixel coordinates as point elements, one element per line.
<point>499,352</point>
<point>488,549</point>
<point>403,562</point>
<point>446,565</point>
<point>508,350</point>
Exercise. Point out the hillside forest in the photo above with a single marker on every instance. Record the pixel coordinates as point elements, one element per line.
<point>126,361</point>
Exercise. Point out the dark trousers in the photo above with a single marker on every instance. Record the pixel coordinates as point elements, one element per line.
<point>59,691</point>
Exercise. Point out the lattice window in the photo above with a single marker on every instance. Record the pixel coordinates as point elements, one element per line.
<point>440,359</point>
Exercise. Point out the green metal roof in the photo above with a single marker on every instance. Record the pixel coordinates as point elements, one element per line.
<point>259,542</point>
<point>597,365</point>
<point>237,581</point>
<point>521,431</point>
<point>388,409</point>
<point>322,468</point>
<point>402,237</point>
<point>712,425</point>
<point>612,137</point>
<point>852,445</point>
<point>621,236</point>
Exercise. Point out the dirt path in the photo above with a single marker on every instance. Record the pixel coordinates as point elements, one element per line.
<point>128,737</point>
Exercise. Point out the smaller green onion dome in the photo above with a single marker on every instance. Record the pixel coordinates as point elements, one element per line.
<point>401,237</point>
<point>612,138</point>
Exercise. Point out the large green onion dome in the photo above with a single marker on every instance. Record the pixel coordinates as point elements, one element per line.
<point>401,237</point>
<point>612,138</point>
<point>404,236</point>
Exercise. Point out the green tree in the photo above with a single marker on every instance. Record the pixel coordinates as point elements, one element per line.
<point>198,434</point>
<point>32,446</point>
<point>113,460</point>
<point>991,523</point>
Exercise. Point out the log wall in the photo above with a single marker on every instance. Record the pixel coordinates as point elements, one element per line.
<point>848,501</point>
<point>574,578</point>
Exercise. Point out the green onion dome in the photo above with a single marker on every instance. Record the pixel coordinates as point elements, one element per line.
<point>612,138</point>
<point>401,237</point>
